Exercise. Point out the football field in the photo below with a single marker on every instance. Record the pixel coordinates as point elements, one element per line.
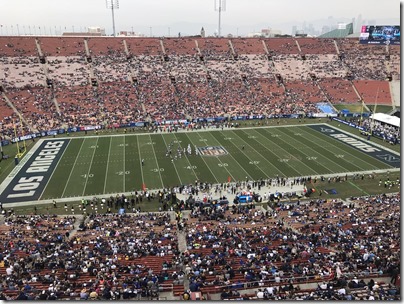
<point>103,165</point>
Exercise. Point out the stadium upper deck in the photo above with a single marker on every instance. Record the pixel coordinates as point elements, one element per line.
<point>79,78</point>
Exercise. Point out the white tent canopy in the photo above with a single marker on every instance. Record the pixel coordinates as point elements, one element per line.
<point>387,119</point>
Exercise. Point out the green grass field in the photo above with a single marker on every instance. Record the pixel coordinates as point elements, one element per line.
<point>353,108</point>
<point>112,164</point>
<point>286,146</point>
<point>380,108</point>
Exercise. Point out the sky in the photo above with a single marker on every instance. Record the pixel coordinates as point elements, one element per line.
<point>169,17</point>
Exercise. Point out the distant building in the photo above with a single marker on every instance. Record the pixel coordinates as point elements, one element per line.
<point>91,31</point>
<point>266,33</point>
<point>203,32</point>
<point>130,34</point>
<point>300,33</point>
<point>96,29</point>
<point>81,34</point>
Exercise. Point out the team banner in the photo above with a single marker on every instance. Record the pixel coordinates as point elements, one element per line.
<point>380,34</point>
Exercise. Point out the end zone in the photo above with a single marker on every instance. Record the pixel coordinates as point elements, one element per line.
<point>377,151</point>
<point>28,180</point>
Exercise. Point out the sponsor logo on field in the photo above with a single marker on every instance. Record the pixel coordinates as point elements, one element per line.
<point>326,130</point>
<point>389,158</point>
<point>212,151</point>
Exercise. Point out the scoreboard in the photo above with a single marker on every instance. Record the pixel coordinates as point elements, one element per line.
<point>380,34</point>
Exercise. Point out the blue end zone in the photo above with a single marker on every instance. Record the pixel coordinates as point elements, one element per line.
<point>29,183</point>
<point>366,147</point>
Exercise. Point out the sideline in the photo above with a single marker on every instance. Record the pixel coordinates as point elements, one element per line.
<point>89,197</point>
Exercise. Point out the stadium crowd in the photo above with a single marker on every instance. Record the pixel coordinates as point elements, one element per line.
<point>170,86</point>
<point>389,133</point>
<point>335,244</point>
<point>350,249</point>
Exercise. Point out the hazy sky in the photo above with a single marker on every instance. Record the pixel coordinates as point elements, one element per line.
<point>188,16</point>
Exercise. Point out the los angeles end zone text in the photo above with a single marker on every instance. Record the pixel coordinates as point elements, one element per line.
<point>32,178</point>
<point>379,153</point>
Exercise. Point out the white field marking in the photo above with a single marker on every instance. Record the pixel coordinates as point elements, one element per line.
<point>155,158</point>
<point>78,198</point>
<point>291,156</point>
<point>89,168</point>
<point>124,159</point>
<point>173,163</point>
<point>251,161</point>
<point>140,159</point>
<point>250,177</point>
<point>74,164</point>
<point>185,131</point>
<point>346,152</point>
<point>186,156</point>
<point>204,160</point>
<point>221,161</point>
<point>370,143</point>
<point>271,164</point>
<point>106,170</point>
<point>328,159</point>
<point>18,168</point>
<point>54,169</point>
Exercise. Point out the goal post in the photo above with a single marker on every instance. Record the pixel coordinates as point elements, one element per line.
<point>21,146</point>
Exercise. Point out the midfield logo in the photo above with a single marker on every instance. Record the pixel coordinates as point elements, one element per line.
<point>212,151</point>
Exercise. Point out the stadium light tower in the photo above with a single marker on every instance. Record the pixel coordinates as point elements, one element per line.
<point>220,6</point>
<point>113,5</point>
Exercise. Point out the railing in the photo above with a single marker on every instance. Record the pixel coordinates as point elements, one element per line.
<point>293,280</point>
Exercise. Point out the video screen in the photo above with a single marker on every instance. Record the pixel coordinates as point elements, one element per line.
<point>380,34</point>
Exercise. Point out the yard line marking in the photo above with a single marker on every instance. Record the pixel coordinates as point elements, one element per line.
<point>232,157</point>
<point>328,159</point>
<point>124,160</point>
<point>360,189</point>
<point>199,134</point>
<point>207,130</point>
<point>248,157</point>
<point>346,152</point>
<point>280,171</point>
<point>173,163</point>
<point>50,178</point>
<point>106,170</point>
<point>203,159</point>
<point>74,164</point>
<point>140,160</point>
<point>155,158</point>
<point>292,156</point>
<point>352,162</point>
<point>89,168</point>
<point>185,156</point>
